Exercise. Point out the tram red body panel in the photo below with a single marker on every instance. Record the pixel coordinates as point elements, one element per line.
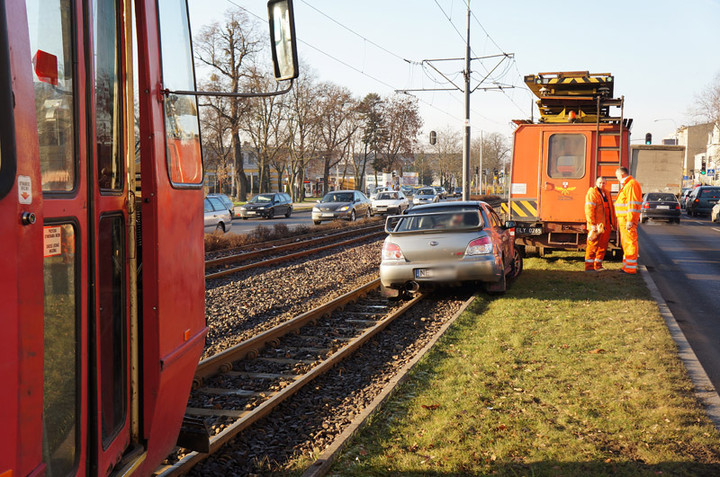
<point>21,280</point>
<point>173,323</point>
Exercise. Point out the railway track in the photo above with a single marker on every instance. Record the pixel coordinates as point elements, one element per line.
<point>237,387</point>
<point>220,267</point>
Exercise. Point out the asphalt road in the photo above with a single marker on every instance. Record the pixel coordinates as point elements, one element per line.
<point>240,226</point>
<point>684,262</point>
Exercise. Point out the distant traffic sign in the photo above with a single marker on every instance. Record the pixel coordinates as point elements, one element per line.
<point>711,172</point>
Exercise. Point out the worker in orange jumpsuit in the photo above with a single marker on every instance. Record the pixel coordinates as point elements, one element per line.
<point>627,209</point>
<point>600,217</point>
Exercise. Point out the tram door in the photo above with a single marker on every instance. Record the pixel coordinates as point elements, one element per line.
<point>77,60</point>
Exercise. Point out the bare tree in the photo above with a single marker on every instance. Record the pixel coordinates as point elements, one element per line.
<point>448,156</point>
<point>707,103</point>
<point>337,105</point>
<point>374,134</point>
<point>228,49</point>
<point>403,124</point>
<point>496,150</point>
<point>303,128</point>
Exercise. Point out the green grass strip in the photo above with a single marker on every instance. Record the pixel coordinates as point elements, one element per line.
<point>569,373</point>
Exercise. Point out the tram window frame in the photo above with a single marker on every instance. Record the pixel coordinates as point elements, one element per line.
<point>8,158</point>
<point>77,275</point>
<point>120,112</point>
<point>76,177</point>
<point>167,99</point>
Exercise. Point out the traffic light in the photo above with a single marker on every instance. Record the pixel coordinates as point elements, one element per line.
<point>433,137</point>
<point>703,168</point>
<point>648,138</point>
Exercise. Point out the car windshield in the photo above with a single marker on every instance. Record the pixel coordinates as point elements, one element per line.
<point>660,197</point>
<point>337,197</point>
<point>712,193</point>
<point>262,198</point>
<point>426,192</point>
<point>387,196</point>
<point>436,221</point>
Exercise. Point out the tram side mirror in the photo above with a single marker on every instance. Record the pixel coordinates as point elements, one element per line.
<point>46,67</point>
<point>282,39</point>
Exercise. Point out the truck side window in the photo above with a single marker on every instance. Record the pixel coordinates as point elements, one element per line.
<point>566,156</point>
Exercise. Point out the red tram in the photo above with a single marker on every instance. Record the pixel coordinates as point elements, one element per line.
<point>102,277</point>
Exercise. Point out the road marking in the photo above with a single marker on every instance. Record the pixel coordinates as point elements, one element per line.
<point>716,229</point>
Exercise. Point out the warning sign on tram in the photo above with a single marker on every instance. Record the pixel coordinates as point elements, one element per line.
<point>52,241</point>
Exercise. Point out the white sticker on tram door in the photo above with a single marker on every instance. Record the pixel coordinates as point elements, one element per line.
<point>52,241</point>
<point>24,190</point>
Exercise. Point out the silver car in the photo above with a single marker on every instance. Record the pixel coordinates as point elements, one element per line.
<point>217,216</point>
<point>426,195</point>
<point>341,204</point>
<point>448,242</point>
<point>390,202</point>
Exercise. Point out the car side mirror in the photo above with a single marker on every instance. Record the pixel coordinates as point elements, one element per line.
<point>510,224</point>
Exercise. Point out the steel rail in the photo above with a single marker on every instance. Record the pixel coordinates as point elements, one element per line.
<point>246,419</point>
<point>291,256</point>
<point>284,245</point>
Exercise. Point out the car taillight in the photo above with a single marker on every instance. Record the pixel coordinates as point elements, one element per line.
<point>480,246</point>
<point>677,207</point>
<point>696,201</point>
<point>391,251</point>
<point>646,205</point>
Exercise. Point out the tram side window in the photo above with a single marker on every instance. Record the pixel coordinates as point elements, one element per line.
<point>182,126</point>
<point>111,324</point>
<point>108,90</point>
<point>60,383</point>
<point>566,156</point>
<point>50,25</point>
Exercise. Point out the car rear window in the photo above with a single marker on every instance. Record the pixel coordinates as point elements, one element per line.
<point>659,197</point>
<point>426,192</point>
<point>439,221</point>
<point>713,193</point>
<point>338,197</point>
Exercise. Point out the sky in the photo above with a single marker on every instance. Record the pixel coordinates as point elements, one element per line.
<point>661,53</point>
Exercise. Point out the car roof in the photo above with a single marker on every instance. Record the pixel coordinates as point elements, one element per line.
<point>447,205</point>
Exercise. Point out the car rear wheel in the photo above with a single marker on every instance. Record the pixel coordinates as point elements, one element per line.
<point>316,222</point>
<point>271,214</point>
<point>367,215</point>
<point>220,227</point>
<point>517,263</point>
<point>288,213</point>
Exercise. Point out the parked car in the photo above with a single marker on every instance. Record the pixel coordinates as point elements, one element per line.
<point>683,196</point>
<point>715,213</point>
<point>660,205</point>
<point>389,202</point>
<point>341,204</point>
<point>702,199</point>
<point>267,205</point>
<point>426,195</point>
<point>377,190</point>
<point>448,242</point>
<point>217,217</point>
<point>227,202</point>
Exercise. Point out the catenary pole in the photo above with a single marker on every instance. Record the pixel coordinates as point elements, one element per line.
<point>466,145</point>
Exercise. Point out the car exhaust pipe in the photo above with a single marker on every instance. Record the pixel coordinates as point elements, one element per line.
<point>412,287</point>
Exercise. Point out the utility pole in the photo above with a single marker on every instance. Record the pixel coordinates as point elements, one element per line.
<point>467,90</point>
<point>466,146</point>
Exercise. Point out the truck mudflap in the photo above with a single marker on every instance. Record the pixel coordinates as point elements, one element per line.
<point>521,209</point>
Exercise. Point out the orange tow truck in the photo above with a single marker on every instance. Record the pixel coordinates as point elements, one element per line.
<point>581,135</point>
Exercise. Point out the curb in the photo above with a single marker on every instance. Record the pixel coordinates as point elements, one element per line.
<point>704,389</point>
<point>323,463</point>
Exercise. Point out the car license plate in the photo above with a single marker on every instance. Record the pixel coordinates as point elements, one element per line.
<point>250,212</point>
<point>438,273</point>
<point>327,214</point>
<point>663,206</point>
<point>528,230</point>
